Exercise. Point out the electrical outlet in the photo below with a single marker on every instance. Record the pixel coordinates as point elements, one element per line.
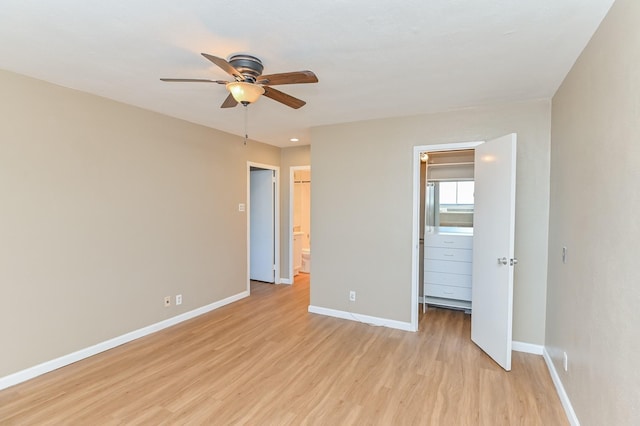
<point>565,361</point>
<point>564,255</point>
<point>352,296</point>
<point>179,299</point>
<point>167,301</point>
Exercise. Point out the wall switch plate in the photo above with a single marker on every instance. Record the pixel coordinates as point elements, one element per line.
<point>179,299</point>
<point>167,301</point>
<point>564,255</point>
<point>352,296</point>
<point>565,361</point>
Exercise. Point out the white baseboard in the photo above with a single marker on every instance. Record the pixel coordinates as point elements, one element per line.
<point>47,366</point>
<point>564,398</point>
<point>528,348</point>
<point>381,322</point>
<point>286,281</point>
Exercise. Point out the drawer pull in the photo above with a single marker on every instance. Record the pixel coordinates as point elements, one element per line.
<point>448,242</point>
<point>448,255</point>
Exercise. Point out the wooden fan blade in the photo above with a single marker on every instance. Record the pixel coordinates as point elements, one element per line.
<point>230,102</point>
<point>296,77</point>
<point>192,80</point>
<point>283,98</point>
<point>226,66</point>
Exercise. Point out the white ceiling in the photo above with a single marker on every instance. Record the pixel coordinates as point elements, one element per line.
<point>374,58</point>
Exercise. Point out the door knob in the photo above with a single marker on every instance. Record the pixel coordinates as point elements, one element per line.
<point>502,261</point>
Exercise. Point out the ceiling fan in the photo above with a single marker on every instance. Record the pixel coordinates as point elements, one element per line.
<point>249,83</point>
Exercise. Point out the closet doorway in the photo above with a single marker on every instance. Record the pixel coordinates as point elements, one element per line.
<point>446,233</point>
<point>493,242</point>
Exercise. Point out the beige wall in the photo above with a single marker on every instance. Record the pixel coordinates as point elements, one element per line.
<point>362,208</point>
<point>289,157</point>
<point>105,209</point>
<point>593,299</point>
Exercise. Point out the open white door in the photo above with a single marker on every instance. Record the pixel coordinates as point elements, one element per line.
<point>493,247</point>
<point>262,226</point>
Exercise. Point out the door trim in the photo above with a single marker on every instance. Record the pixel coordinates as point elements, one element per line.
<point>276,219</point>
<point>292,170</point>
<point>415,243</point>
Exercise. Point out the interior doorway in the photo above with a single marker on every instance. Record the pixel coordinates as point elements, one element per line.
<point>419,215</point>
<point>263,244</point>
<point>446,231</point>
<point>490,250</point>
<point>300,221</point>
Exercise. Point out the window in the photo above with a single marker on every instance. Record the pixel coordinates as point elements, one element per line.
<point>455,193</point>
<point>455,201</point>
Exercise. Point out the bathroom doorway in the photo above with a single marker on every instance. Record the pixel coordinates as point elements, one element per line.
<point>300,221</point>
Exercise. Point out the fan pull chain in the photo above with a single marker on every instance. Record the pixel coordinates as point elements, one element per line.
<point>246,115</point>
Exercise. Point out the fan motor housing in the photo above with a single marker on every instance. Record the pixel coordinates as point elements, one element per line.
<point>250,66</point>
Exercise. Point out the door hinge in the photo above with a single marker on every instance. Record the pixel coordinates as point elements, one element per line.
<point>274,267</point>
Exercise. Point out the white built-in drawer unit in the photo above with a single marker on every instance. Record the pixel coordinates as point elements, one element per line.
<point>447,269</point>
<point>448,292</point>
<point>450,279</point>
<point>451,241</point>
<point>446,266</point>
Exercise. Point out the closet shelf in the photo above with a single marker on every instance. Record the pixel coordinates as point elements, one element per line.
<point>464,163</point>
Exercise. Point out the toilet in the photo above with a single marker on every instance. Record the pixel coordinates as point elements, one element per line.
<point>306,261</point>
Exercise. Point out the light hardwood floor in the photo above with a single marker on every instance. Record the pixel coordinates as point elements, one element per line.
<point>266,360</point>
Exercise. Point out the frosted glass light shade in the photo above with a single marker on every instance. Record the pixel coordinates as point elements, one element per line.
<point>245,92</point>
